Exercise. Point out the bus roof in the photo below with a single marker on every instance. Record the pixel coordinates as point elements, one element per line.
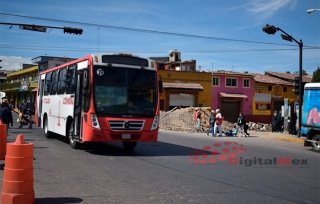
<point>312,85</point>
<point>90,56</point>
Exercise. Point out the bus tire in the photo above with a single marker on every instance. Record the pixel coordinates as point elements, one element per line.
<point>73,143</point>
<point>316,145</point>
<point>129,145</point>
<point>47,133</point>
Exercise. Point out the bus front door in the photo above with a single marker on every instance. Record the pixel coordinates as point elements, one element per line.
<point>77,106</point>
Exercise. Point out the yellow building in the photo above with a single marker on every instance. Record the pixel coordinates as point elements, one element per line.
<point>185,89</point>
<point>22,84</point>
<point>269,95</point>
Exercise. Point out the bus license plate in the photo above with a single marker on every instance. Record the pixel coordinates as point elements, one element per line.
<point>126,136</point>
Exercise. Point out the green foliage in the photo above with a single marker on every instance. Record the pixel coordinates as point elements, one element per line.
<point>304,73</point>
<point>316,75</point>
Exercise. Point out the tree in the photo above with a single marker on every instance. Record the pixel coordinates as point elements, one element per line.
<point>316,75</point>
<point>304,73</point>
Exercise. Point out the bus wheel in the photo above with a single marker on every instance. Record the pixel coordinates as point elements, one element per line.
<point>47,133</point>
<point>73,143</point>
<point>129,145</point>
<point>316,145</point>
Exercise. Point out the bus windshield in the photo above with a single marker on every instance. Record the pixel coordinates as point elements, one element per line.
<point>122,91</point>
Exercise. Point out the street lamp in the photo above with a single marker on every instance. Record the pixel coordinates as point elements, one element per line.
<point>312,10</point>
<point>270,29</point>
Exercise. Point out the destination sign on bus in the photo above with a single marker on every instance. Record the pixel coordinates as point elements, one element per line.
<point>127,60</point>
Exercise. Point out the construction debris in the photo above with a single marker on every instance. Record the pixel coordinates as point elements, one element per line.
<point>180,119</point>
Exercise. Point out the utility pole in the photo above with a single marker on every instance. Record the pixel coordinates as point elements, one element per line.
<point>270,29</point>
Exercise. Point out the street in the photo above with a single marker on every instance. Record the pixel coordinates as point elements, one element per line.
<point>179,168</point>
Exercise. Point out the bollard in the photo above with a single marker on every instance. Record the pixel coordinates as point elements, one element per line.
<point>3,140</point>
<point>17,184</point>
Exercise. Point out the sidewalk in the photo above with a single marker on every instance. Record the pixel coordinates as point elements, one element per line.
<point>277,136</point>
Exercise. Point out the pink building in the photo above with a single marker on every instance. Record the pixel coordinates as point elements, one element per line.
<point>232,93</point>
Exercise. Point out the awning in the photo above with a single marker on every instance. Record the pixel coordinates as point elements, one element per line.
<point>11,90</point>
<point>34,90</point>
<point>177,85</point>
<point>227,95</point>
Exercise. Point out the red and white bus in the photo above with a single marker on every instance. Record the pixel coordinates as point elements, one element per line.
<point>101,98</point>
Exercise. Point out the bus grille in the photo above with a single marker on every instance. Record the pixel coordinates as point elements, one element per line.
<point>126,125</point>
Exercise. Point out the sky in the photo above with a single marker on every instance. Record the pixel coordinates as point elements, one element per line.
<point>218,34</point>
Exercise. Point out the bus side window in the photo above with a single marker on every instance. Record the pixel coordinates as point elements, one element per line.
<point>71,80</point>
<point>54,81</point>
<point>62,81</point>
<point>47,84</point>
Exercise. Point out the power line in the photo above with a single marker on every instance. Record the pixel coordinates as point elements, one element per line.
<point>143,30</point>
<point>143,50</point>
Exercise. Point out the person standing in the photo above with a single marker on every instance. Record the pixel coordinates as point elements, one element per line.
<point>293,121</point>
<point>274,121</point>
<point>212,121</point>
<point>194,117</point>
<point>6,114</point>
<point>219,120</point>
<point>279,122</point>
<point>198,119</point>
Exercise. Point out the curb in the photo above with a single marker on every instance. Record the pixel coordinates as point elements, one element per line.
<point>288,139</point>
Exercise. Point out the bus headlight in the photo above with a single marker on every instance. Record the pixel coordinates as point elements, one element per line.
<point>95,122</point>
<point>155,123</point>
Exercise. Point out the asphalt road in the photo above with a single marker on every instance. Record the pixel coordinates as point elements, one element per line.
<point>179,168</point>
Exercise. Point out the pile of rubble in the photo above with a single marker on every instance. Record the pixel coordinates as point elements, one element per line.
<point>180,119</point>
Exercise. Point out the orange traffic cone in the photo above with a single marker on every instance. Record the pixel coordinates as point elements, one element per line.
<point>17,184</point>
<point>3,140</point>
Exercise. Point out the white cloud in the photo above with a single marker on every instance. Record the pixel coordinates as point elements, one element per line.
<point>262,10</point>
<point>13,63</point>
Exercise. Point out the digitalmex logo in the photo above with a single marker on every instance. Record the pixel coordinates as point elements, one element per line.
<point>231,153</point>
<point>220,151</point>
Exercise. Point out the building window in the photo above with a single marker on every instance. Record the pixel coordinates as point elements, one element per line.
<point>269,88</point>
<point>246,83</point>
<point>34,77</point>
<point>26,78</point>
<point>215,81</point>
<point>231,82</point>
<point>284,89</point>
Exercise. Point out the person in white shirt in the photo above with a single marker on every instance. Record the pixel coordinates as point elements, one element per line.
<point>219,121</point>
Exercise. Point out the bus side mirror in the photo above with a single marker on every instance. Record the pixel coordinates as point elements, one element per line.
<point>160,86</point>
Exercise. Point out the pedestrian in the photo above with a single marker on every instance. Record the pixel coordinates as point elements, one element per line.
<point>212,121</point>
<point>11,104</point>
<point>194,117</point>
<point>293,121</point>
<point>279,122</point>
<point>245,126</point>
<point>6,114</point>
<point>199,117</point>
<point>241,125</point>
<point>274,121</point>
<point>219,120</point>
